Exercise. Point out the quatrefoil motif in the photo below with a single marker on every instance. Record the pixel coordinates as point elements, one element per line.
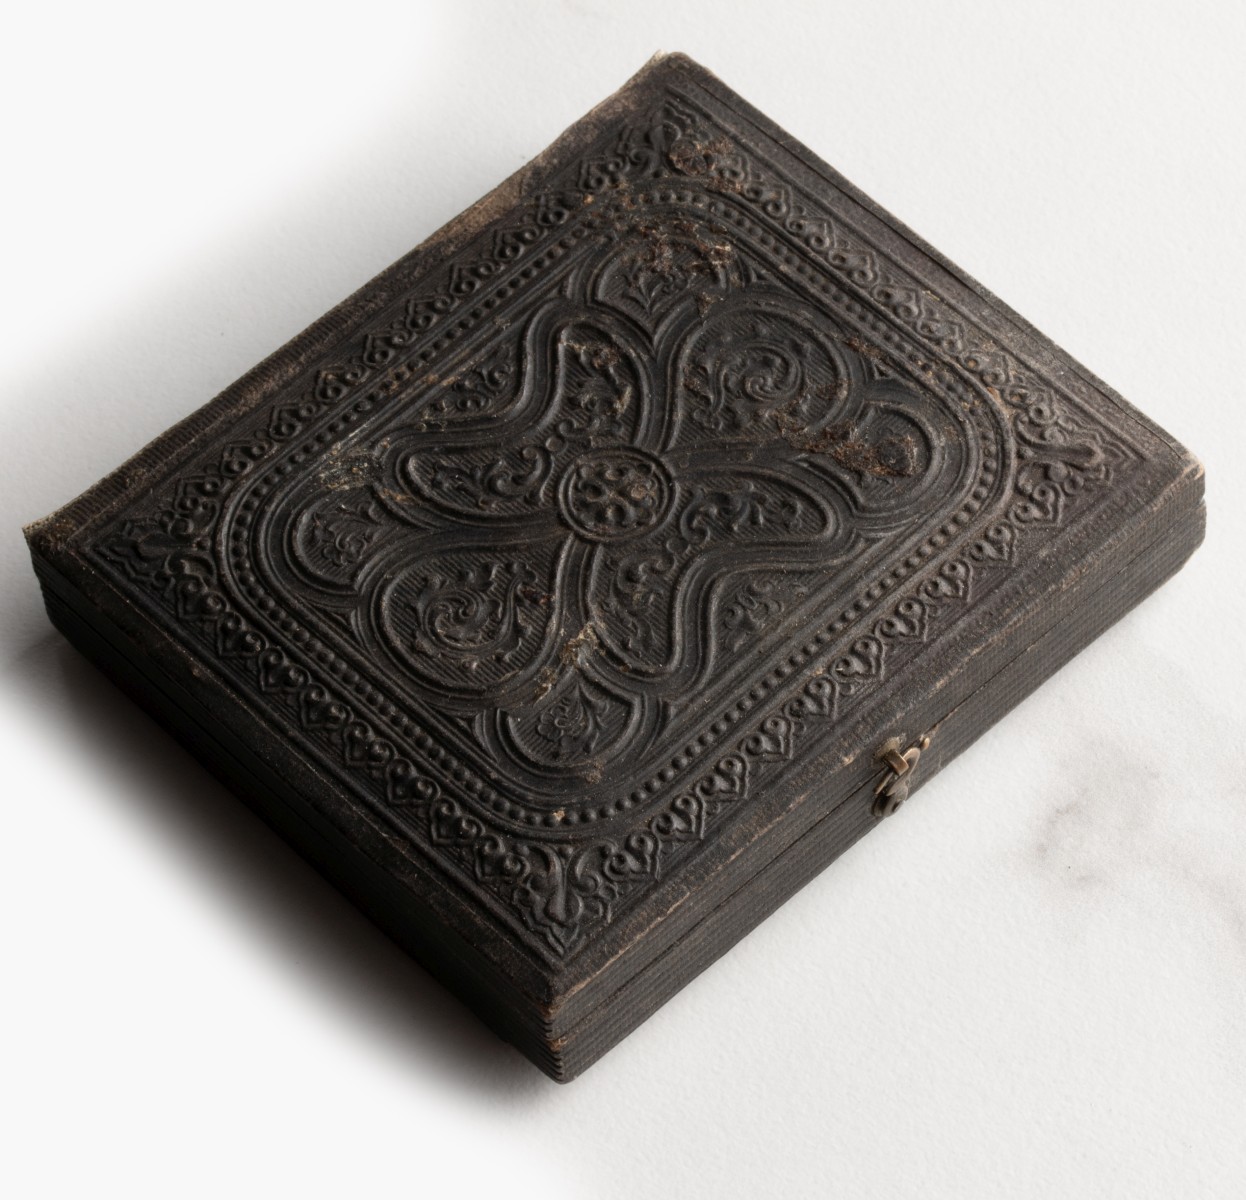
<point>553,546</point>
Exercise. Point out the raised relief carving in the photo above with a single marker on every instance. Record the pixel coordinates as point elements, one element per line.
<point>484,559</point>
<point>612,494</point>
<point>559,563</point>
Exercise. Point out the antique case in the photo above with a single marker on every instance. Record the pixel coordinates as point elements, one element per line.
<point>589,580</point>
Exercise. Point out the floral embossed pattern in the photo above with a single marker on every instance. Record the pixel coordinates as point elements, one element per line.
<point>583,539</point>
<point>556,565</point>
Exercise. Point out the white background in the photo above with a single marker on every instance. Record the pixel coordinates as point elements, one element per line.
<point>1032,983</point>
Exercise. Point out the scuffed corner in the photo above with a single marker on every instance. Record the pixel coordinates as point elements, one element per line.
<point>1192,469</point>
<point>47,534</point>
<point>530,178</point>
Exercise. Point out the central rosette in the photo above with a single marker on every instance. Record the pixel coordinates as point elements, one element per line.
<point>614,493</point>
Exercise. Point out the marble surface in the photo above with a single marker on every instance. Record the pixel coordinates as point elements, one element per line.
<point>1032,983</point>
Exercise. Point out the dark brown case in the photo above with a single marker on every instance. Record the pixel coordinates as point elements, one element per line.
<point>589,580</point>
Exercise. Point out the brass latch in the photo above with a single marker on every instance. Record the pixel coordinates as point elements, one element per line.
<point>893,788</point>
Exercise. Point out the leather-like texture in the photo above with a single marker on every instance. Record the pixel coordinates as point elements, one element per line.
<point>579,560</point>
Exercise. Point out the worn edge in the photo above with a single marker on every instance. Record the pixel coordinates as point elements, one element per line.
<point>644,935</point>
<point>255,387</point>
<point>252,388</point>
<point>992,305</point>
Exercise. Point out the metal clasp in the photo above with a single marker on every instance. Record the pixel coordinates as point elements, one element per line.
<point>893,788</point>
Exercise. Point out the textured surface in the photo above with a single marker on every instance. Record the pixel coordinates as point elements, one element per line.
<point>586,556</point>
<point>1038,959</point>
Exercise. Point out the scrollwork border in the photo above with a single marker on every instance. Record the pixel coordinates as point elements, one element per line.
<point>560,893</point>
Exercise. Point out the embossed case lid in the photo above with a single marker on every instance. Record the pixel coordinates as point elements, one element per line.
<point>555,592</point>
